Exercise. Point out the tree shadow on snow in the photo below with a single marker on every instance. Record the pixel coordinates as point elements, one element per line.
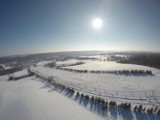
<point>141,116</point>
<point>81,100</point>
<point>69,94</point>
<point>44,87</point>
<point>125,114</point>
<point>91,105</point>
<point>113,112</point>
<point>85,102</point>
<point>53,89</point>
<point>77,97</point>
<point>61,90</point>
<point>98,108</point>
<point>146,116</point>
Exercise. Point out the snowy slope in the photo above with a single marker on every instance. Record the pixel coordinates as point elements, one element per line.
<point>108,65</point>
<point>29,99</point>
<point>135,89</point>
<point>20,73</point>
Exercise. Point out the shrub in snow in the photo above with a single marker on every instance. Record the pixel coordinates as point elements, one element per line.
<point>85,71</point>
<point>92,98</point>
<point>112,103</point>
<point>92,71</point>
<point>82,95</point>
<point>148,72</point>
<point>99,100</point>
<point>136,71</point>
<point>72,90</point>
<point>150,110</point>
<point>135,108</point>
<point>10,78</point>
<point>144,109</point>
<point>126,106</point>
<point>63,87</point>
<point>106,103</point>
<point>51,65</point>
<point>77,94</point>
<point>103,101</point>
<point>59,85</point>
<point>96,100</point>
<point>139,109</point>
<point>50,79</point>
<point>66,88</point>
<point>87,97</point>
<point>129,105</point>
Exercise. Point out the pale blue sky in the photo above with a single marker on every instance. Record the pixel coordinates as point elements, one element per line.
<point>35,26</point>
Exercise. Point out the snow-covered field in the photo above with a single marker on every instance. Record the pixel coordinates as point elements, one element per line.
<point>71,61</point>
<point>143,90</point>
<point>20,73</point>
<point>30,99</point>
<point>137,89</point>
<point>42,63</point>
<point>109,65</point>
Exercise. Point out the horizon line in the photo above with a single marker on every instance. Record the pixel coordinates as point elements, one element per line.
<point>67,51</point>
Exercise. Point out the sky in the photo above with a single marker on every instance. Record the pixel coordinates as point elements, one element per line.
<point>39,26</point>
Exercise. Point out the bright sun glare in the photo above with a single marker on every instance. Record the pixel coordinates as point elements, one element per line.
<point>97,23</point>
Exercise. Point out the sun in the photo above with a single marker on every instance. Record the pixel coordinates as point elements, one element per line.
<point>97,23</point>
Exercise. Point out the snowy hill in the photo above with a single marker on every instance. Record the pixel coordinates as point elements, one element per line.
<point>28,99</point>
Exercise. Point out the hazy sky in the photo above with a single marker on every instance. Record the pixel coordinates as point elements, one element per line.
<point>34,26</point>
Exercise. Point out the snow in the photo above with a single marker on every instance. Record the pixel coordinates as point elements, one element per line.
<point>42,63</point>
<point>30,99</point>
<point>108,65</point>
<point>67,62</point>
<point>124,56</point>
<point>94,56</point>
<point>15,74</point>
<point>20,73</point>
<point>135,89</point>
<point>102,65</point>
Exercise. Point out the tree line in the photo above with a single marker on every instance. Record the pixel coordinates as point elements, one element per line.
<point>103,102</point>
<point>127,72</point>
<point>9,71</point>
<point>30,73</point>
<point>147,60</point>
